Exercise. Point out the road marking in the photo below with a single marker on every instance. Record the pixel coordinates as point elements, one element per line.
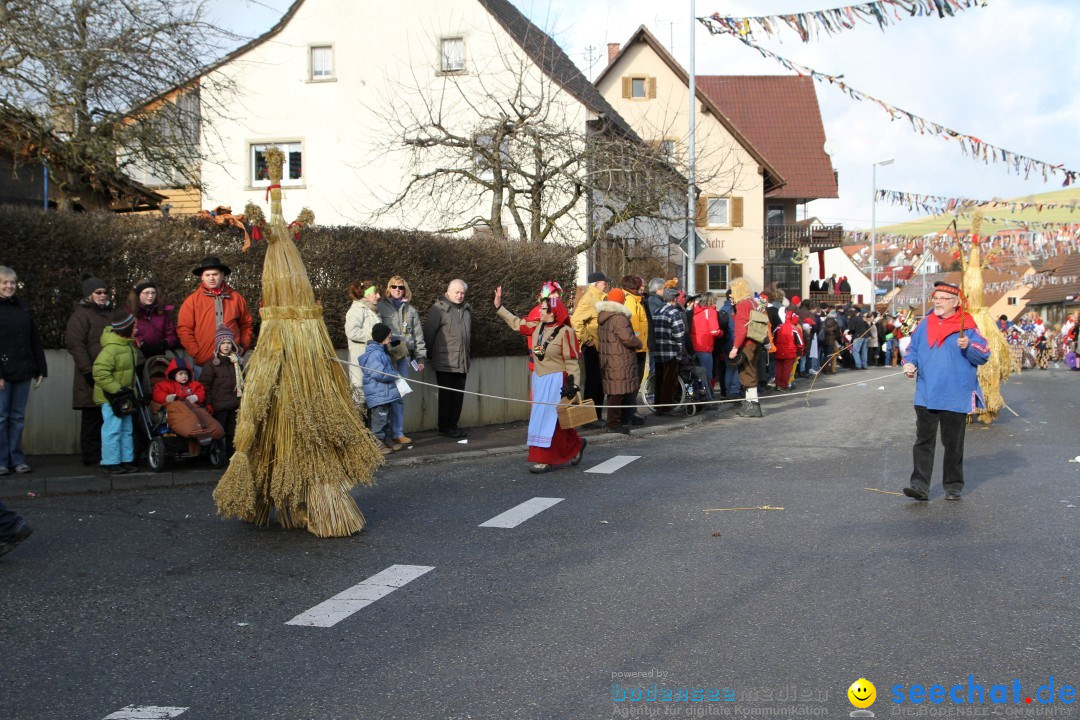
<point>616,463</point>
<point>517,515</point>
<point>347,602</point>
<point>146,712</point>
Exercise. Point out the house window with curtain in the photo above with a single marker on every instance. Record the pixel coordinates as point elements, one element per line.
<point>293,172</point>
<point>718,212</point>
<point>452,55</point>
<point>322,62</point>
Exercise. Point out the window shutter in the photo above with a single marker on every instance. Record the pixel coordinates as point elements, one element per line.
<point>736,212</point>
<point>736,271</point>
<point>700,278</point>
<point>702,218</point>
<point>650,88</point>
<point>626,86</point>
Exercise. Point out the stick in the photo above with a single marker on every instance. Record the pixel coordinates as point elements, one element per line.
<point>887,492</point>
<point>759,507</point>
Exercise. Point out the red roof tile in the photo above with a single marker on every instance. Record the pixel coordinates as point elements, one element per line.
<point>779,114</point>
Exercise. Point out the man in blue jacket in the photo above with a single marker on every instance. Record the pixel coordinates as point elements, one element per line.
<point>945,352</point>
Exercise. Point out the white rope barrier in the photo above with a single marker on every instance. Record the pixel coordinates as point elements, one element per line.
<point>805,393</point>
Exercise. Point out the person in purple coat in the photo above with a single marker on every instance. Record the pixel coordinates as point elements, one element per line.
<point>945,352</point>
<point>155,331</point>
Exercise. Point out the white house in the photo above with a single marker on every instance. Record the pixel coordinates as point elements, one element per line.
<point>839,263</point>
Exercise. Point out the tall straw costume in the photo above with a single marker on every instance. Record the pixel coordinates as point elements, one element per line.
<point>995,371</point>
<point>300,445</point>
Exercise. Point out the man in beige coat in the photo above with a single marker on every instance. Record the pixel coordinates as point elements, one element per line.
<point>584,322</point>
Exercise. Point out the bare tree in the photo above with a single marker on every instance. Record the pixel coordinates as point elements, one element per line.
<point>503,148</point>
<point>109,86</point>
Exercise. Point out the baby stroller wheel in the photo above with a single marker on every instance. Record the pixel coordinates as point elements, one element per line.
<point>155,454</point>
<point>217,454</point>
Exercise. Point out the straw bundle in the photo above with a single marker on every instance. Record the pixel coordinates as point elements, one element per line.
<point>299,443</point>
<point>995,371</point>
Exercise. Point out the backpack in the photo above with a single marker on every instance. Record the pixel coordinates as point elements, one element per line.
<point>757,328</point>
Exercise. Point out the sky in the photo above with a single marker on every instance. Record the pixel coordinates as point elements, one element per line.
<point>1007,73</point>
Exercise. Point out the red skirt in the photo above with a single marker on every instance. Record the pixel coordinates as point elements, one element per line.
<point>565,445</point>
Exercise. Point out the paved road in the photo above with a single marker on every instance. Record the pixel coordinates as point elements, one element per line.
<point>146,599</point>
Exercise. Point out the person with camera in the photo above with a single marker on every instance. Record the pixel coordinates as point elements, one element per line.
<point>407,348</point>
<point>556,364</point>
<point>114,392</point>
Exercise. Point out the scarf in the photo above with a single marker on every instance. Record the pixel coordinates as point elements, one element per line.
<point>939,328</point>
<point>238,370</point>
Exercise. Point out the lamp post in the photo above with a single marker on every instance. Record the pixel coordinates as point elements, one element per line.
<point>873,234</point>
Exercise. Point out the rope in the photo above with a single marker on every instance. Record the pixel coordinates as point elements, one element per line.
<point>621,407</point>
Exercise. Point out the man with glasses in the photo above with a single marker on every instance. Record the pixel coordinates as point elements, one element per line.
<point>945,352</point>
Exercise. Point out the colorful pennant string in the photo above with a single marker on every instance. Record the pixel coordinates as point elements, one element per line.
<point>811,25</point>
<point>969,144</point>
<point>939,204</point>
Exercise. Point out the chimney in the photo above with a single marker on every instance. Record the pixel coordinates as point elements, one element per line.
<point>612,51</point>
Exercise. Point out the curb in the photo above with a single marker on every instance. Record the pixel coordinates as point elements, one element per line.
<point>24,486</point>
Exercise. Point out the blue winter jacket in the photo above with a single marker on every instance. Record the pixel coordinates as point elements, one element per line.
<point>379,376</point>
<point>948,376</point>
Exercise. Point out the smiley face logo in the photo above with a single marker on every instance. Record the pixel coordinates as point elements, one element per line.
<point>862,693</point>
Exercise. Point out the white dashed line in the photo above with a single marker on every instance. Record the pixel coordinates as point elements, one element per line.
<point>146,712</point>
<point>616,463</point>
<point>345,603</point>
<point>517,515</point>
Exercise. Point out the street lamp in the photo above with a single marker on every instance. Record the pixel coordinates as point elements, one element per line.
<point>873,235</point>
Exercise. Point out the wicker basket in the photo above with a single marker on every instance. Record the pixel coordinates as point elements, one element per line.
<point>575,413</point>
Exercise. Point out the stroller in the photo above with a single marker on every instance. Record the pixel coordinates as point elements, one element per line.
<point>163,445</point>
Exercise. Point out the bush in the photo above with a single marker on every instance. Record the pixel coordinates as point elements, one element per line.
<point>51,250</point>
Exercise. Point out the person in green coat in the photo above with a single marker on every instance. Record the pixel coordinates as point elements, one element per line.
<point>114,371</point>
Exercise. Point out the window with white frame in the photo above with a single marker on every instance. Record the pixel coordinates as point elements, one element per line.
<point>322,62</point>
<point>452,55</point>
<point>717,279</point>
<point>717,212</point>
<point>292,173</point>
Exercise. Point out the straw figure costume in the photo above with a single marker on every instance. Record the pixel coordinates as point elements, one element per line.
<point>999,367</point>
<point>299,442</point>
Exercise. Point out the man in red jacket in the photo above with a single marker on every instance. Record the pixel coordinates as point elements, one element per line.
<point>212,305</point>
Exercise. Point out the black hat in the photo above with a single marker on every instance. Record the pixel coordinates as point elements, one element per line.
<point>595,277</point>
<point>145,285</point>
<point>91,283</point>
<point>380,332</point>
<point>211,263</point>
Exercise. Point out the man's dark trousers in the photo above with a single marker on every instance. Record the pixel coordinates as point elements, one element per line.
<point>953,425</point>
<point>449,399</point>
<point>594,379</point>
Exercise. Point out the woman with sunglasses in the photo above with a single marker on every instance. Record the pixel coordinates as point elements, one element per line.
<point>92,314</point>
<point>397,312</point>
<point>555,355</point>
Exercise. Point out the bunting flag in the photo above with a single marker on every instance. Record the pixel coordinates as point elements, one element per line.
<point>969,144</point>
<point>1006,245</point>
<point>836,20</point>
<point>942,204</point>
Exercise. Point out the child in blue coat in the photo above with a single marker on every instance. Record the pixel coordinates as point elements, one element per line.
<point>380,386</point>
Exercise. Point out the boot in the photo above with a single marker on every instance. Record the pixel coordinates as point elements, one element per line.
<point>743,408</point>
<point>754,410</point>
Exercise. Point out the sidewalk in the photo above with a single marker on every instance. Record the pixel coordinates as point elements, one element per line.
<point>65,474</point>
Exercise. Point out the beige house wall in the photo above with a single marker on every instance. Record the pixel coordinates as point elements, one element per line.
<point>724,167</point>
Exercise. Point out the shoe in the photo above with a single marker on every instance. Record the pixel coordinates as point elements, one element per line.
<point>5,471</point>
<point>749,409</point>
<point>915,494</point>
<point>453,433</point>
<point>594,425</point>
<point>114,469</point>
<point>23,468</point>
<point>637,419</point>
<point>21,534</point>
<point>403,440</point>
<point>383,450</point>
<point>577,458</point>
<point>130,467</point>
<point>539,468</point>
<point>952,495</point>
<point>394,447</point>
<point>621,429</point>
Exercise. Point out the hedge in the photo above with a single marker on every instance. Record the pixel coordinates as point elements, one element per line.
<point>50,250</point>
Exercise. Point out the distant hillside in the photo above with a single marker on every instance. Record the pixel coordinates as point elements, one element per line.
<point>940,222</point>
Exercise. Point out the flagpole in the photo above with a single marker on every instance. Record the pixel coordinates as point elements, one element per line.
<point>691,215</point>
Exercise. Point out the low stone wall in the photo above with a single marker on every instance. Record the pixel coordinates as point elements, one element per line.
<point>52,427</point>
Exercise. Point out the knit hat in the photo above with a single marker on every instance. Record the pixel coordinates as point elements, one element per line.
<point>616,295</point>
<point>91,283</point>
<point>145,285</point>
<point>122,320</point>
<point>380,332</point>
<point>223,334</point>
<point>795,300</point>
<point>595,277</point>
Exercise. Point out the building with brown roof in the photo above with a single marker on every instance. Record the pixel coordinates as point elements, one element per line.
<point>760,153</point>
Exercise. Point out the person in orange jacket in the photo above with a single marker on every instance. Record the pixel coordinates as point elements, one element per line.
<point>213,303</point>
